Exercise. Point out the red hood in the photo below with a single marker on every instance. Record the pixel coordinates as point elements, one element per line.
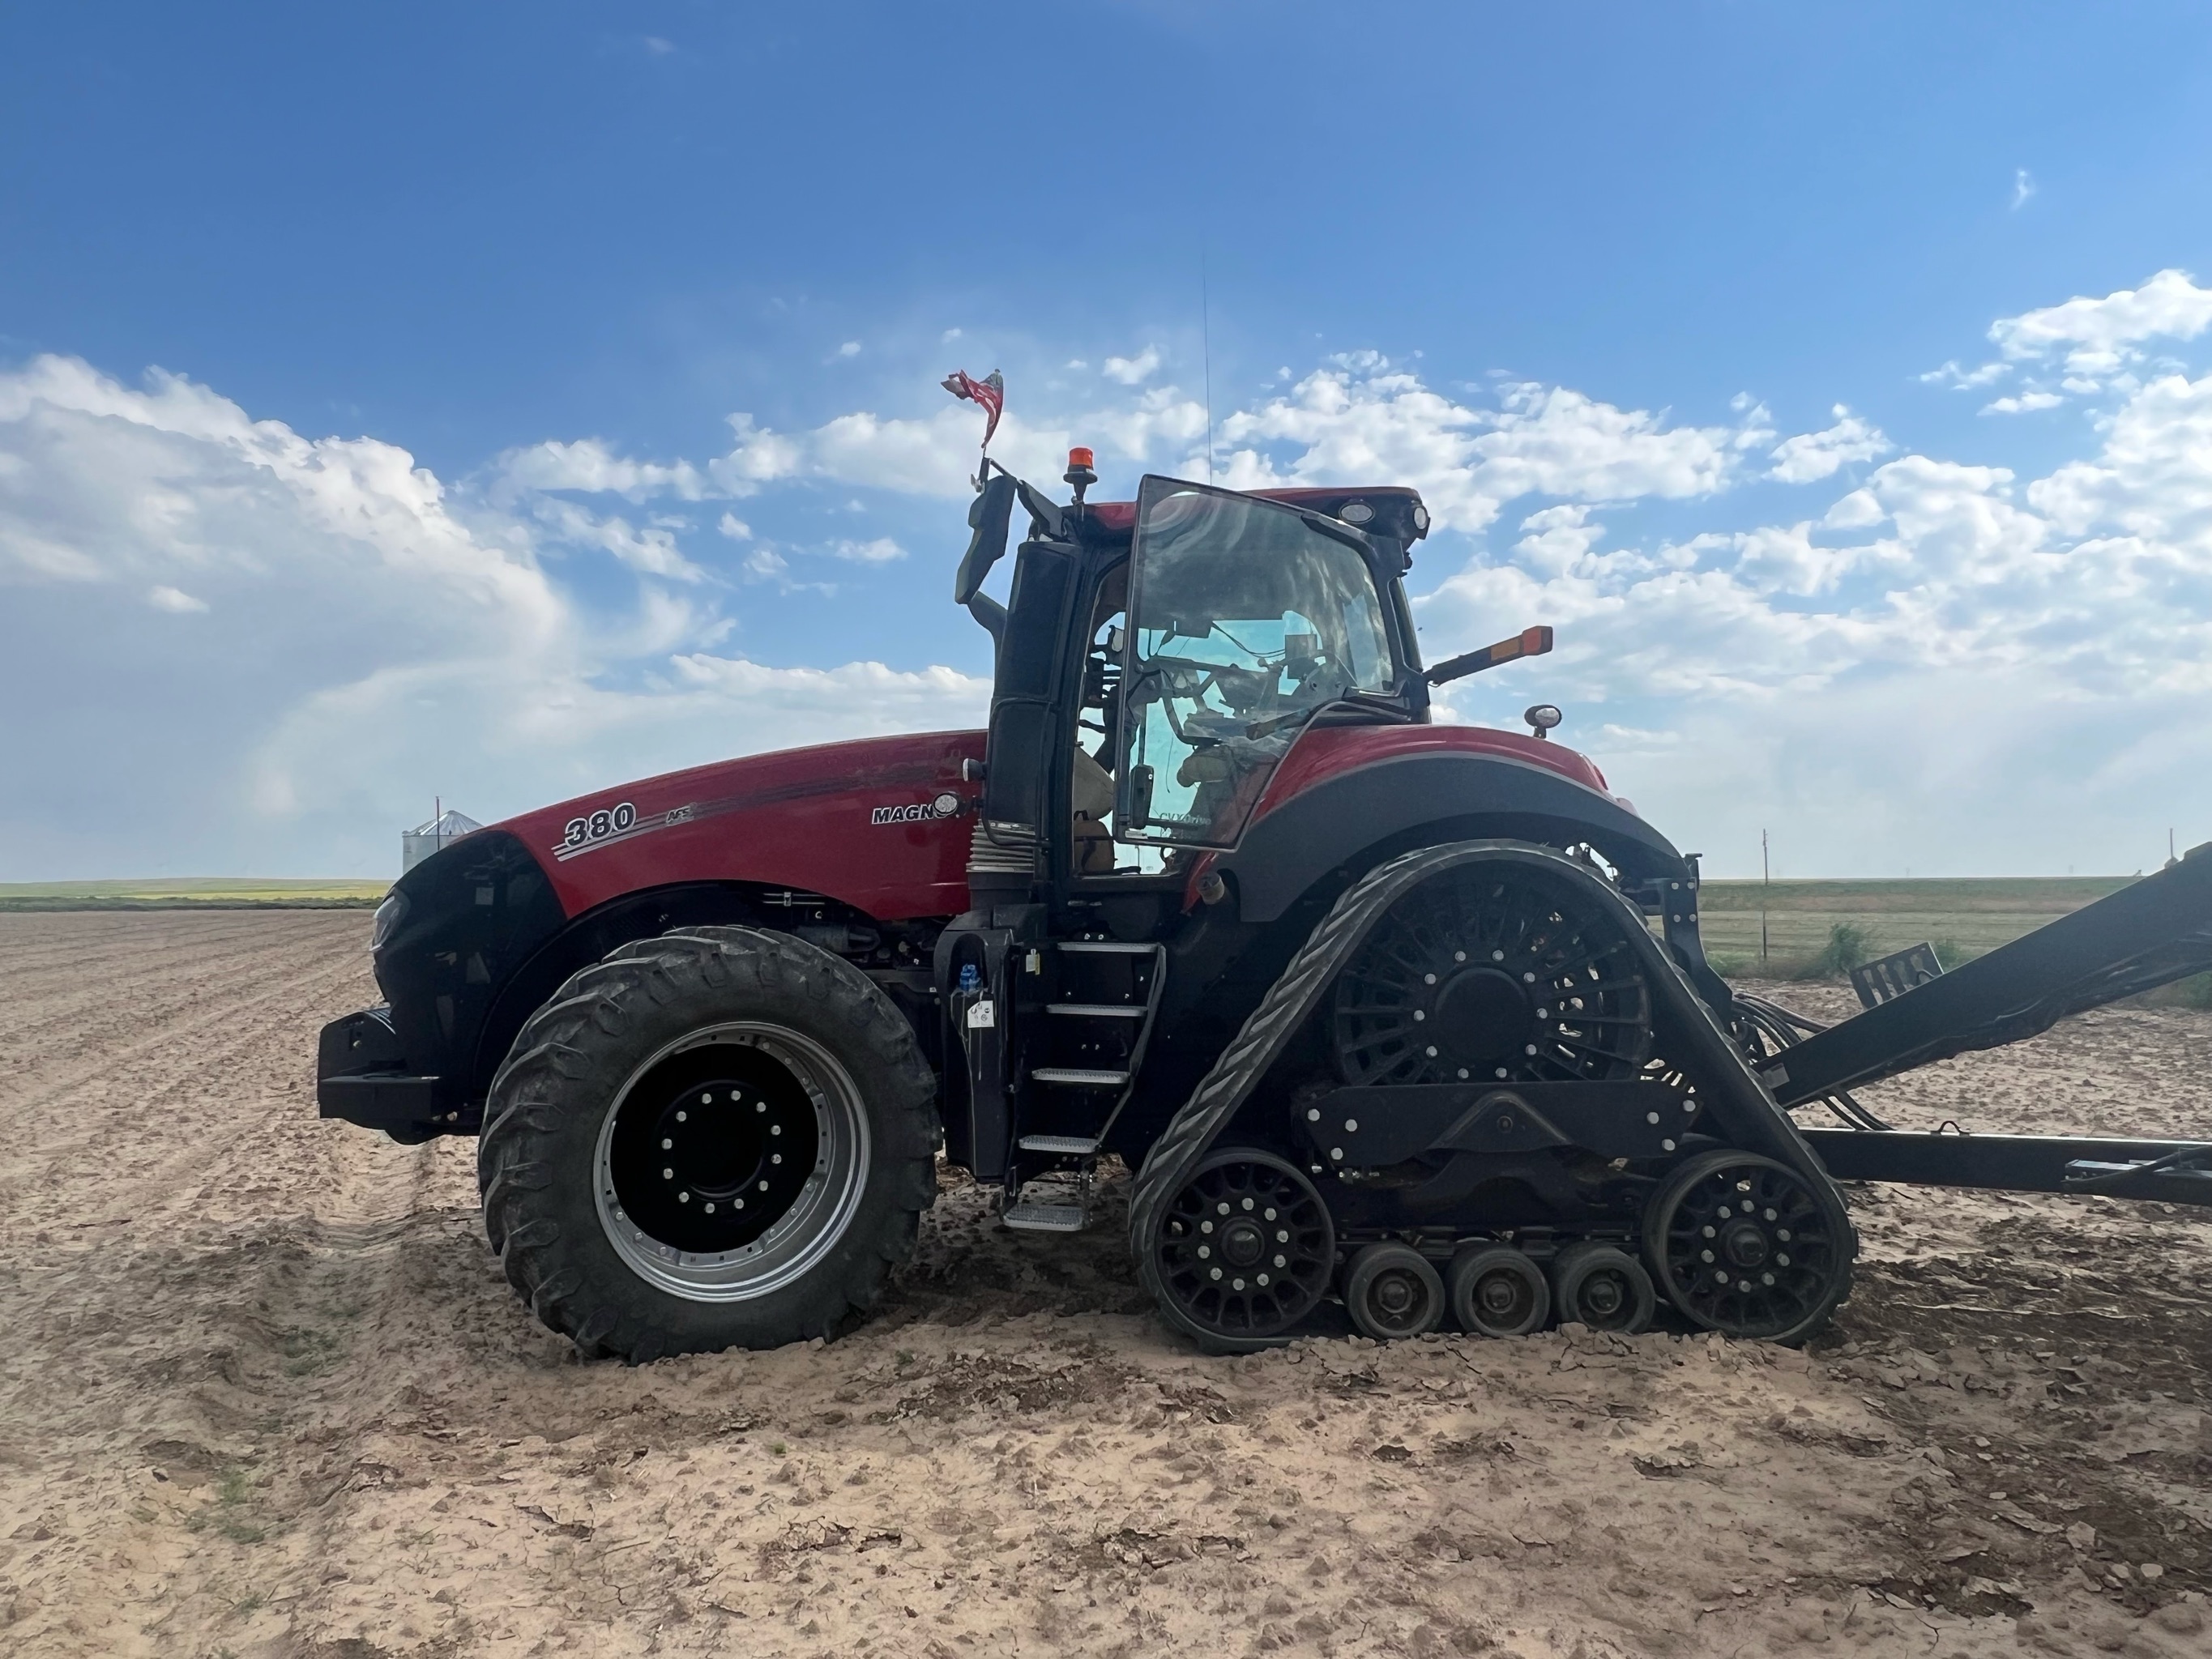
<point>879,822</point>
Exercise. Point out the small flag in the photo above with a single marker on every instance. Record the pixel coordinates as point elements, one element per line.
<point>990,392</point>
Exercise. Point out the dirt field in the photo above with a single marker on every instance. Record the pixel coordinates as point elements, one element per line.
<point>264,1393</point>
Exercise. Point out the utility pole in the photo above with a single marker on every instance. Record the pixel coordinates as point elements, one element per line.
<point>437,822</point>
<point>1766,879</point>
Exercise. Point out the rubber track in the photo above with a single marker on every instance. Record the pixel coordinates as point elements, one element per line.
<point>1175,1156</point>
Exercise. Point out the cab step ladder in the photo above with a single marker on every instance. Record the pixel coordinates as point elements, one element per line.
<point>1083,1150</point>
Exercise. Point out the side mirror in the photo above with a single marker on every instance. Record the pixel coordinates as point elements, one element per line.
<point>1528,642</point>
<point>1542,719</point>
<point>987,520</point>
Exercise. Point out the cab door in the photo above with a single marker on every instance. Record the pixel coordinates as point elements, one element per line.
<point>1247,618</point>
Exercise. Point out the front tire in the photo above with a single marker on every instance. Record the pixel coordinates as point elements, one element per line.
<point>720,1138</point>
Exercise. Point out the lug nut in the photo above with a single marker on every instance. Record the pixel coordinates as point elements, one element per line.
<point>668,1175</point>
<point>683,1117</point>
<point>1352,1125</point>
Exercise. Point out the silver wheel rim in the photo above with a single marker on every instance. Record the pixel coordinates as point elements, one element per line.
<point>816,1220</point>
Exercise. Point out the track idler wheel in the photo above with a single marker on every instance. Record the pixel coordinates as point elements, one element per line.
<point>1496,1290</point>
<point>1243,1252</point>
<point>1747,1246</point>
<point>1601,1287</point>
<point>1392,1291</point>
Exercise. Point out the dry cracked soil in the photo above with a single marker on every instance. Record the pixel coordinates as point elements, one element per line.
<point>264,1393</point>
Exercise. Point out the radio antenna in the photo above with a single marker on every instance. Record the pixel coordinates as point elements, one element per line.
<point>1206,353</point>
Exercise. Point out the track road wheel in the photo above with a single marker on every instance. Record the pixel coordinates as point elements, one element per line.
<point>1496,1291</point>
<point>1747,1246</point>
<point>1601,1287</point>
<point>1242,1253</point>
<point>1392,1291</point>
<point>712,1139</point>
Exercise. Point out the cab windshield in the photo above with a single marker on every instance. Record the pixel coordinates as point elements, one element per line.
<point>1245,623</point>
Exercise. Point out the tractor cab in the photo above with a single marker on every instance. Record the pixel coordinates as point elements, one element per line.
<point>1156,659</point>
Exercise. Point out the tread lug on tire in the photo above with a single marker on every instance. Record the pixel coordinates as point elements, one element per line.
<point>732,1148</point>
<point>1602,1287</point>
<point>1496,1291</point>
<point>1392,1291</point>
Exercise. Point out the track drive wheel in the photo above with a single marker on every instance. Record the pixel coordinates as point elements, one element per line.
<point>1604,1288</point>
<point>1392,1291</point>
<point>712,1139</point>
<point>1747,1246</point>
<point>1496,1291</point>
<point>1241,1253</point>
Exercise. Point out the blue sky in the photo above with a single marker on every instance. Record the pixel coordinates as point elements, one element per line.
<point>499,402</point>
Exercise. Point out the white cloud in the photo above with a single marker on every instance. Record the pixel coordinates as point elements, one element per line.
<point>2025,403</point>
<point>175,601</point>
<point>1133,371</point>
<point>380,640</point>
<point>1961,380</point>
<point>882,550</point>
<point>1811,456</point>
<point>1859,510</point>
<point>734,527</point>
<point>1361,419</point>
<point>2098,335</point>
<point>850,349</point>
<point>2023,186</point>
<point>588,466</point>
<point>651,551</point>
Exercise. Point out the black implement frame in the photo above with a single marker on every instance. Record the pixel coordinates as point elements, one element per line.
<point>2150,933</point>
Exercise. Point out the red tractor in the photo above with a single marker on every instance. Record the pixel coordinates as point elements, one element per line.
<point>1410,1016</point>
